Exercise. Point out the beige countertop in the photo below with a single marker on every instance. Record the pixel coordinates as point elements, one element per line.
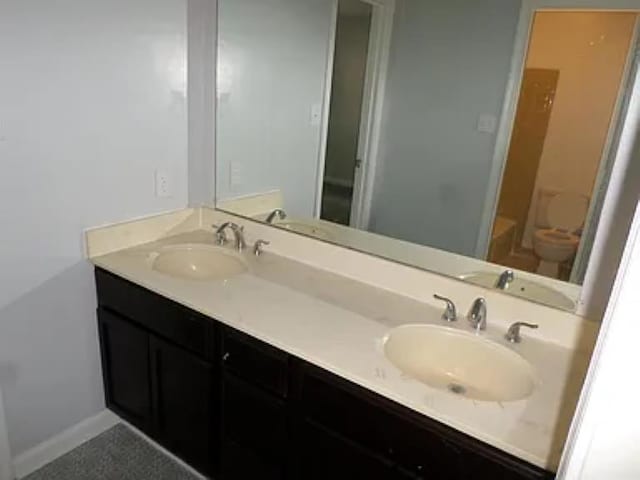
<point>340,325</point>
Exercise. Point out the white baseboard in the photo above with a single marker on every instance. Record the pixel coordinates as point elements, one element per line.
<point>38,456</point>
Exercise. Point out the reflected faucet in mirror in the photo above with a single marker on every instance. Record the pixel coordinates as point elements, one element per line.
<point>504,280</point>
<point>278,213</point>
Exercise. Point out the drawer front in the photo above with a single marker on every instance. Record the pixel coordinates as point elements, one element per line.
<point>254,420</point>
<point>421,448</point>
<point>345,413</point>
<point>163,317</point>
<point>255,362</point>
<point>326,455</point>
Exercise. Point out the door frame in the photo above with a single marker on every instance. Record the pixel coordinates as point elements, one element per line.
<point>372,110</point>
<point>514,84</point>
<point>607,162</point>
<point>371,122</point>
<point>614,352</point>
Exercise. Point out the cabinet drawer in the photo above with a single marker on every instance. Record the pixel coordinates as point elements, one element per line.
<point>254,419</point>
<point>160,315</point>
<point>255,362</point>
<point>344,412</point>
<point>326,455</point>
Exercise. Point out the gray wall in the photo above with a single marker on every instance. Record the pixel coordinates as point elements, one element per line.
<point>92,97</point>
<point>450,61</point>
<point>272,60</point>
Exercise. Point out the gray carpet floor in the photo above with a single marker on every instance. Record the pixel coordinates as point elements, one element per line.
<point>117,454</point>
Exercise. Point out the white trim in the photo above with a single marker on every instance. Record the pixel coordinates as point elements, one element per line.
<point>164,451</point>
<point>373,110</point>
<point>505,130</point>
<point>607,161</point>
<point>38,456</point>
<point>596,396</point>
<point>326,110</point>
<point>518,61</point>
<point>596,277</point>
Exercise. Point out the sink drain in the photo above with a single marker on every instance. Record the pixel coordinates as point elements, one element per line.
<point>457,389</point>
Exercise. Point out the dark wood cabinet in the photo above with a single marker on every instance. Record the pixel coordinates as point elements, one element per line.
<point>325,454</point>
<point>255,411</point>
<point>184,402</point>
<point>160,376</point>
<point>236,408</point>
<point>126,369</point>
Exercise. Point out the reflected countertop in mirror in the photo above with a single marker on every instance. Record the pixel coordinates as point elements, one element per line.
<point>463,141</point>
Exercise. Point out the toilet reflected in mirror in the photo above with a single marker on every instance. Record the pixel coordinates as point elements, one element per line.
<point>560,218</point>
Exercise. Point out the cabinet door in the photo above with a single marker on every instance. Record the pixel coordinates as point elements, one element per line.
<point>125,369</point>
<point>254,427</point>
<point>327,455</point>
<point>184,404</point>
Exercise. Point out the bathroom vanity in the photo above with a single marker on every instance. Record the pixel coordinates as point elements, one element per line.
<point>234,407</point>
<point>248,365</point>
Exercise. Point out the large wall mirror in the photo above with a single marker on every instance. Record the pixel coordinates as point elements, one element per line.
<point>473,139</point>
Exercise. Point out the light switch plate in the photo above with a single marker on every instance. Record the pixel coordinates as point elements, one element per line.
<point>316,115</point>
<point>164,187</point>
<point>487,123</point>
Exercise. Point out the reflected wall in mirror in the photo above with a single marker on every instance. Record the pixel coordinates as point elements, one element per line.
<point>476,140</point>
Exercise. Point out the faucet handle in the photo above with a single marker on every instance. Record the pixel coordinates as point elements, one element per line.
<point>257,247</point>
<point>221,236</point>
<point>513,334</point>
<point>449,314</point>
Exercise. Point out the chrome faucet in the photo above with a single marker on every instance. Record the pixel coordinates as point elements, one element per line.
<point>504,280</point>
<point>238,233</point>
<point>513,334</point>
<point>477,315</point>
<point>279,213</point>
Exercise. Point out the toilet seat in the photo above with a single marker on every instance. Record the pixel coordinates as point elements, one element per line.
<point>557,237</point>
<point>567,211</point>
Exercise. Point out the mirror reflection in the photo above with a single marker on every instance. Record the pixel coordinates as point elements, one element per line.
<point>472,139</point>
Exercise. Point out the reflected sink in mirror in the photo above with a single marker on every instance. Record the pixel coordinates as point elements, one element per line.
<point>199,262</point>
<point>523,288</point>
<point>461,363</point>
<point>306,229</point>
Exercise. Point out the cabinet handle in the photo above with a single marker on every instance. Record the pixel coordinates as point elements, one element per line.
<point>226,356</point>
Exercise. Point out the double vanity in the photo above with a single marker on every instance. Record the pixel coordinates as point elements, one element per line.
<point>249,364</point>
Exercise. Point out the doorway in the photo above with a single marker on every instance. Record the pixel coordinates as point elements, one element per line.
<point>575,74</point>
<point>353,30</point>
<point>352,120</point>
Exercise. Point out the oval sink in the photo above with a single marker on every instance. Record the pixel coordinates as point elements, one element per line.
<point>198,262</point>
<point>523,288</point>
<point>460,362</point>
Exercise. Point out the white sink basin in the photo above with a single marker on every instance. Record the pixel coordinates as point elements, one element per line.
<point>198,262</point>
<point>311,230</point>
<point>520,287</point>
<point>460,362</point>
